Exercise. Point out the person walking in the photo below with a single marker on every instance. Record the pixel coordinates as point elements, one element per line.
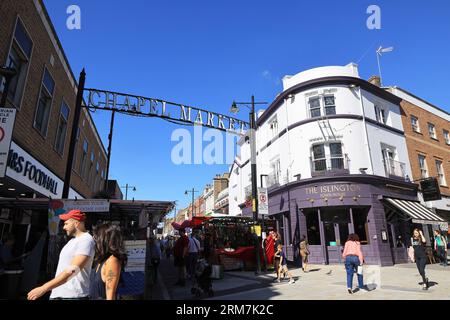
<point>75,262</point>
<point>440,246</point>
<point>155,258</point>
<point>110,259</point>
<point>193,251</point>
<point>180,251</point>
<point>418,243</point>
<point>354,260</point>
<point>283,268</point>
<point>304,252</point>
<point>276,258</point>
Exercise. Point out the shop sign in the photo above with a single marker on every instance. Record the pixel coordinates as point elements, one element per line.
<point>333,190</point>
<point>96,205</point>
<point>430,189</point>
<point>136,255</point>
<point>25,169</point>
<point>7,117</point>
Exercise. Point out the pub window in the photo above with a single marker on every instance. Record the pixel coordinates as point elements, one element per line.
<point>314,107</point>
<point>312,227</point>
<point>380,114</point>
<point>44,103</point>
<point>329,105</point>
<point>360,224</point>
<point>62,128</point>
<point>18,59</point>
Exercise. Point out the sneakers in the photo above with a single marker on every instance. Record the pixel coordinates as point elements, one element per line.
<point>292,281</point>
<point>349,291</point>
<point>278,280</point>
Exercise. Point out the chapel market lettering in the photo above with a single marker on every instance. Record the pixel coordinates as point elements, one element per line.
<point>156,107</point>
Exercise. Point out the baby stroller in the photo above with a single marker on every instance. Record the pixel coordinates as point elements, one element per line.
<point>203,281</point>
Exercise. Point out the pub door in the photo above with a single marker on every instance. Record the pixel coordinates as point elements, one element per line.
<point>336,226</point>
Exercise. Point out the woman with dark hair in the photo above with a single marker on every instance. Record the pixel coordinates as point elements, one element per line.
<point>304,252</point>
<point>353,261</point>
<point>418,243</point>
<point>110,259</point>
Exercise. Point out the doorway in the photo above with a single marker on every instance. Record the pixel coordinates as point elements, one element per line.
<point>336,226</point>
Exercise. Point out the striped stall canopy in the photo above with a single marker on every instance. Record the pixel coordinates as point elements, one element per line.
<point>418,212</point>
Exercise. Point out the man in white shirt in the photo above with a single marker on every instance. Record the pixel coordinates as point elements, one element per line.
<point>193,251</point>
<point>75,262</point>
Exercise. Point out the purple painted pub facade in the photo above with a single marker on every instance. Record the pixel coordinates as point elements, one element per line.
<point>327,209</point>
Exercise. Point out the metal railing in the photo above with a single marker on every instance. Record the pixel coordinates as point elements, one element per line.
<point>327,164</point>
<point>394,168</point>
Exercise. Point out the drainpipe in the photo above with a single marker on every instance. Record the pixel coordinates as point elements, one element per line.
<point>365,129</point>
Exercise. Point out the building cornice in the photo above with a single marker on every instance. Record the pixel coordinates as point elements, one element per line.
<point>356,178</point>
<point>325,81</point>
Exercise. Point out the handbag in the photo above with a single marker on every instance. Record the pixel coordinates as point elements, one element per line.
<point>360,270</point>
<point>411,254</point>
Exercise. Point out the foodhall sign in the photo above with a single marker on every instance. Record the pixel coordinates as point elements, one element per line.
<point>333,190</point>
<point>138,105</point>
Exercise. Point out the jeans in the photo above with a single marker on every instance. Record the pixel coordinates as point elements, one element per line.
<point>442,255</point>
<point>351,265</point>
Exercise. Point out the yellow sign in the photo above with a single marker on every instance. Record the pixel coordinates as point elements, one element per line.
<point>257,229</point>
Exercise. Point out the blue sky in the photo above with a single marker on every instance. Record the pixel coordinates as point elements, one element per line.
<point>207,53</point>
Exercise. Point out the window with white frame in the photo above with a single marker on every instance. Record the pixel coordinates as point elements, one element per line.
<point>446,137</point>
<point>423,167</point>
<point>275,168</point>
<point>327,156</point>
<point>440,173</point>
<point>273,127</point>
<point>18,59</point>
<point>380,114</point>
<point>44,103</point>
<point>432,130</point>
<point>415,124</point>
<point>62,128</point>
<point>322,105</point>
<point>329,105</point>
<point>392,167</point>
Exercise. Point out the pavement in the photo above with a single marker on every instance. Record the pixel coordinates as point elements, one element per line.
<point>322,282</point>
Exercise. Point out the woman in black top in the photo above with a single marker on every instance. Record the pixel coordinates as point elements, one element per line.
<point>110,259</point>
<point>418,242</point>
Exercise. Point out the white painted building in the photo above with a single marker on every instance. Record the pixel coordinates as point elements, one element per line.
<point>332,151</point>
<point>323,128</point>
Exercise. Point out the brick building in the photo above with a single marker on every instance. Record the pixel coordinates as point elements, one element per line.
<point>43,92</point>
<point>427,136</point>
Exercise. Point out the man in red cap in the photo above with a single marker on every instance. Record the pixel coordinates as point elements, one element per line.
<point>75,262</point>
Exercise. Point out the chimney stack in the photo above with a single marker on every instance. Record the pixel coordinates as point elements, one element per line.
<point>375,80</point>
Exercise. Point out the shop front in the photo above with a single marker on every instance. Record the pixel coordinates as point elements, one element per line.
<point>327,209</point>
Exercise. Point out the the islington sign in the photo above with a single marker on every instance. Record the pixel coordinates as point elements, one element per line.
<point>138,105</point>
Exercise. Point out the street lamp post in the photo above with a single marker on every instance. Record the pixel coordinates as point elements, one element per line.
<point>126,190</point>
<point>252,138</point>
<point>192,191</point>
